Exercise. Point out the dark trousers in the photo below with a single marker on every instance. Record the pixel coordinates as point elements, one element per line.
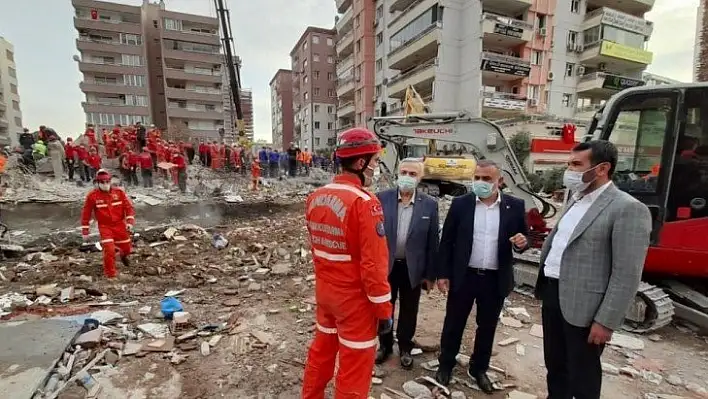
<point>408,301</point>
<point>182,180</point>
<point>482,287</point>
<point>574,368</point>
<point>292,168</point>
<point>70,168</point>
<point>147,177</point>
<point>274,169</point>
<point>154,161</point>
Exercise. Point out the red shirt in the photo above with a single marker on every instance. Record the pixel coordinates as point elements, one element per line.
<point>81,153</point>
<point>178,159</point>
<point>94,161</point>
<point>70,150</point>
<point>145,160</point>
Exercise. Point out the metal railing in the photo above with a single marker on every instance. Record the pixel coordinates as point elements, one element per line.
<point>405,11</point>
<point>412,72</point>
<point>505,58</point>
<point>507,20</point>
<point>108,21</point>
<point>415,38</point>
<point>111,42</point>
<point>503,95</point>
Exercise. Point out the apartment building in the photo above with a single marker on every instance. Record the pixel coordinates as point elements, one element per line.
<point>604,52</point>
<point>149,64</point>
<point>431,45</point>
<point>700,48</point>
<point>281,108</point>
<point>10,113</point>
<point>314,88</point>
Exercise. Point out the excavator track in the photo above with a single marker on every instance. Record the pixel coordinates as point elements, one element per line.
<point>652,309</point>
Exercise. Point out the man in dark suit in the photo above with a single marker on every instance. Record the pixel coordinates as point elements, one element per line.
<point>480,231</point>
<point>412,230</point>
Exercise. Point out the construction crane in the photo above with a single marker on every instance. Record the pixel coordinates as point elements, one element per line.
<point>227,42</point>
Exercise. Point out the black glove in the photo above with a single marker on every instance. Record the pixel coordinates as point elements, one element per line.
<point>385,326</point>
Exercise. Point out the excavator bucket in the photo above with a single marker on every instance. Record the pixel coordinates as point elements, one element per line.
<point>414,104</point>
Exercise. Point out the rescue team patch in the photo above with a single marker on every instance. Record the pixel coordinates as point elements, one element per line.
<point>376,210</point>
<point>380,229</point>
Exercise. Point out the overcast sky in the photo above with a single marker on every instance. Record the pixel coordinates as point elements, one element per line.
<point>264,30</point>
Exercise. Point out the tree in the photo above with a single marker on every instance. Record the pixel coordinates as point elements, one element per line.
<point>552,179</point>
<point>520,144</point>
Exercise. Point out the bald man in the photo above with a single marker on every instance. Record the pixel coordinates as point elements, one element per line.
<point>412,229</point>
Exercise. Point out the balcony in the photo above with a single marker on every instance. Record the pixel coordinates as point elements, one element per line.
<point>88,45</point>
<point>345,65</point>
<point>420,77</point>
<point>3,106</point>
<point>343,5</point>
<point>116,68</point>
<point>504,67</point>
<point>345,45</point>
<point>3,122</point>
<point>503,101</point>
<point>634,7</point>
<point>345,22</point>
<point>214,96</point>
<point>614,56</point>
<point>108,6</point>
<point>107,25</point>
<point>602,84</point>
<point>345,87</point>
<point>609,16</point>
<point>192,75</point>
<point>193,113</point>
<point>413,10</point>
<point>105,107</point>
<point>500,31</point>
<point>507,7</point>
<point>192,37</point>
<point>400,5</point>
<point>194,56</point>
<point>345,110</point>
<point>115,88</point>
<point>420,48</point>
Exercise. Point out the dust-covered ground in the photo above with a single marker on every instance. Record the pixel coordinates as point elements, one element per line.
<point>251,317</point>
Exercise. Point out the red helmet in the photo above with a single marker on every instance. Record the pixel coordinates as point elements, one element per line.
<point>357,142</point>
<point>103,176</point>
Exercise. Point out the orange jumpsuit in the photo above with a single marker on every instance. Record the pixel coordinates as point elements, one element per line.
<point>113,211</point>
<point>346,231</point>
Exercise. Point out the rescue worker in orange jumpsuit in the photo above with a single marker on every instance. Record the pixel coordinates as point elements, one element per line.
<point>346,231</point>
<point>115,216</point>
<point>255,174</point>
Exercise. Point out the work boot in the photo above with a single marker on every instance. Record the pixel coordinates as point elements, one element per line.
<point>482,380</point>
<point>443,377</point>
<point>406,360</point>
<point>382,354</point>
<point>125,260</point>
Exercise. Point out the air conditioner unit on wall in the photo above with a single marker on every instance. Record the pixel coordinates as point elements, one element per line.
<point>579,48</point>
<point>581,70</point>
<point>550,75</point>
<point>533,102</point>
<point>542,31</point>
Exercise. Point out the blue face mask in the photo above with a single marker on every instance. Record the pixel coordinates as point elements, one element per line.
<point>482,189</point>
<point>407,183</point>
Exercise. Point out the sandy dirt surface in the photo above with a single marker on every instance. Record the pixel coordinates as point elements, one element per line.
<point>257,294</point>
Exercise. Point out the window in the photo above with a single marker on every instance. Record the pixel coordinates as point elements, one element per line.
<point>13,88</point>
<point>379,38</point>
<point>172,24</point>
<point>316,91</point>
<point>317,124</point>
<point>315,74</point>
<point>304,64</point>
<point>330,109</point>
<point>621,36</point>
<point>357,46</point>
<point>379,12</point>
<point>330,92</point>
<point>317,108</point>
<point>315,57</point>
<point>572,38</point>
<point>357,21</point>
<point>330,125</point>
<point>305,79</point>
<point>591,36</point>
<point>315,39</point>
<point>423,22</point>
<point>569,69</point>
<point>575,6</point>
<point>330,59</point>
<point>306,96</point>
<point>379,64</point>
<point>330,42</point>
<point>135,40</point>
<point>567,99</point>
<point>536,57</point>
<point>15,105</point>
<point>304,46</point>
<point>12,72</point>
<point>317,141</point>
<point>10,55</point>
<point>540,21</point>
<point>377,90</point>
<point>18,121</point>
<point>330,76</point>
<point>131,60</point>
<point>134,80</point>
<point>532,92</point>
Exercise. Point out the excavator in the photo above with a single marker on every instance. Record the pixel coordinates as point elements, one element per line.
<point>661,133</point>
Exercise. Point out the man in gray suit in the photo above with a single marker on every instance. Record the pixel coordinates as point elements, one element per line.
<point>411,225</point>
<point>591,265</point>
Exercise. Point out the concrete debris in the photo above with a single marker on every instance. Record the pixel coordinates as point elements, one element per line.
<point>205,349</point>
<point>520,350</point>
<point>674,380</point>
<point>510,322</point>
<point>416,390</point>
<point>697,388</point>
<point>458,395</point>
<point>626,342</point>
<point>520,395</point>
<point>629,372</point>
<point>609,369</point>
<point>652,377</point>
<point>536,331</point>
<point>520,314</point>
<point>508,341</point>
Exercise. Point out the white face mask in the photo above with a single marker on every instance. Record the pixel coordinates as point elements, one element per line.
<point>573,180</point>
<point>104,186</point>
